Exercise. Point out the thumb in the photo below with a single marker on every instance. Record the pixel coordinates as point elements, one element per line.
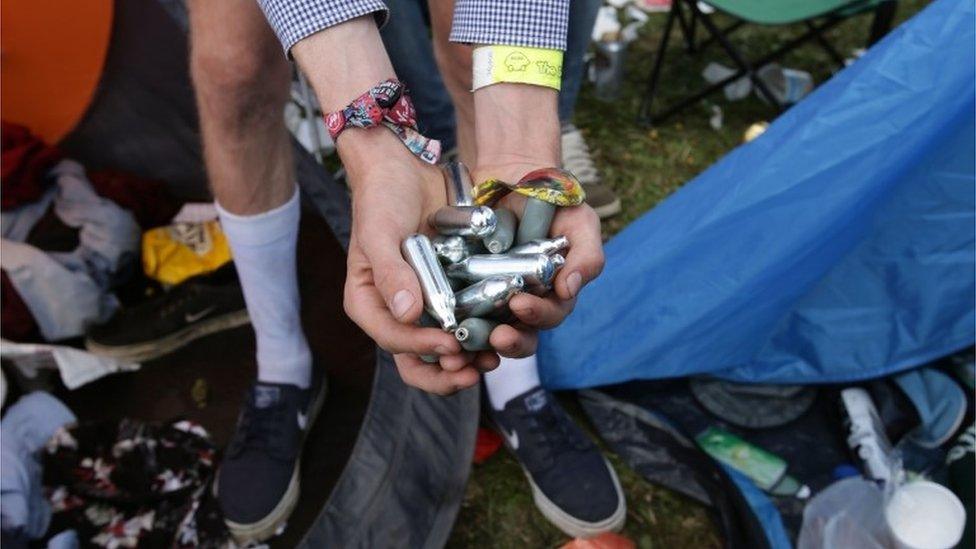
<point>394,278</point>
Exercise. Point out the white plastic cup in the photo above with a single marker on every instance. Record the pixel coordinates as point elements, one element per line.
<point>925,515</point>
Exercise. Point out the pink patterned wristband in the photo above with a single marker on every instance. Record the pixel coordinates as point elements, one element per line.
<point>386,104</point>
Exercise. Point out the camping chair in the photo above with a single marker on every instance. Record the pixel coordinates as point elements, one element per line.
<point>817,16</point>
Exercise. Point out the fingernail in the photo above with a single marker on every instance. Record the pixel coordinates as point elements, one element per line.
<point>524,312</point>
<point>442,350</point>
<point>402,302</point>
<point>573,283</point>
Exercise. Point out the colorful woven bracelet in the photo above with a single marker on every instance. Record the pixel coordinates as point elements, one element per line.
<point>386,104</point>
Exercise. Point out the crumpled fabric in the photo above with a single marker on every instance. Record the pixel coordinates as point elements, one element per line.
<point>23,166</point>
<point>940,403</point>
<point>24,431</point>
<point>129,483</point>
<point>66,291</point>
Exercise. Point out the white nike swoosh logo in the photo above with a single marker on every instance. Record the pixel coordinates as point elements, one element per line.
<point>512,438</point>
<point>193,317</point>
<point>302,420</point>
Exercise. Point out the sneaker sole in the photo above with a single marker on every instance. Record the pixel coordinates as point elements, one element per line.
<point>268,526</point>
<point>607,210</point>
<point>148,350</point>
<point>573,526</point>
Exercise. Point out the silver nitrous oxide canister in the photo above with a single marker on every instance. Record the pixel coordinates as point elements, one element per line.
<point>472,221</point>
<point>457,179</point>
<point>537,269</point>
<point>546,246</point>
<point>486,296</point>
<point>438,295</point>
<point>500,240</point>
<point>473,333</point>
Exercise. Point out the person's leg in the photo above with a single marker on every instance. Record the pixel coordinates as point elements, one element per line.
<point>454,62</point>
<point>582,17</point>
<point>575,152</point>
<point>407,39</point>
<point>241,80</point>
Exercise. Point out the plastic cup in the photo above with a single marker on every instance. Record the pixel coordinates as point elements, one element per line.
<point>925,515</point>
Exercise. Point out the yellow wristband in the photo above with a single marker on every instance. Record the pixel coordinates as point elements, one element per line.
<point>518,65</point>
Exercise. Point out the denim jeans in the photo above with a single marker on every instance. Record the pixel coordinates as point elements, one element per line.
<point>406,36</point>
<point>407,40</point>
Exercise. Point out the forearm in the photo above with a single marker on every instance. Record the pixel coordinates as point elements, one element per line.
<point>517,126</point>
<point>342,62</point>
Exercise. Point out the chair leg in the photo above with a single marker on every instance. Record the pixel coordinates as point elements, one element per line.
<point>739,60</point>
<point>644,113</point>
<point>727,31</point>
<point>687,26</point>
<point>884,15</point>
<point>827,47</point>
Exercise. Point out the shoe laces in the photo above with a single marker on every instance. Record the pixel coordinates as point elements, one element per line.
<point>172,304</point>
<point>260,429</point>
<point>577,158</point>
<point>553,434</point>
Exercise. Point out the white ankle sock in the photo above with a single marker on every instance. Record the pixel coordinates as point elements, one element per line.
<point>263,247</point>
<point>511,378</point>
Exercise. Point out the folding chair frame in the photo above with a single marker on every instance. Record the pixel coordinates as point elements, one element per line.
<point>688,23</point>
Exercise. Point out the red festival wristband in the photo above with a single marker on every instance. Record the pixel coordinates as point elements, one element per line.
<point>386,104</point>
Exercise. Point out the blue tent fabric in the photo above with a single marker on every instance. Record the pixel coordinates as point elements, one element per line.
<point>837,246</point>
<point>762,506</point>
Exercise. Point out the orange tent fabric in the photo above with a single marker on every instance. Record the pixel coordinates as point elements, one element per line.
<point>51,57</point>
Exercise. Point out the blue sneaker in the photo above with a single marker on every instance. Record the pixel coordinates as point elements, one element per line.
<point>258,482</point>
<point>572,483</point>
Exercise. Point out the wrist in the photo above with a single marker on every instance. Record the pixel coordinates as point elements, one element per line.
<point>369,154</point>
<point>517,126</point>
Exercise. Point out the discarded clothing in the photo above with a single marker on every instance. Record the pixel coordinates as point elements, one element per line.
<point>174,253</point>
<point>130,484</point>
<point>65,291</point>
<point>25,162</point>
<point>24,430</point>
<point>75,366</point>
<point>148,200</point>
<point>940,403</point>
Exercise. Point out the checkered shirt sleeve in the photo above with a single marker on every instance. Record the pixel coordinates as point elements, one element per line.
<point>532,23</point>
<point>293,20</point>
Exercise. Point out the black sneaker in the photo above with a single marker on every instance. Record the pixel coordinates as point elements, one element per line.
<point>572,483</point>
<point>258,482</point>
<point>199,306</point>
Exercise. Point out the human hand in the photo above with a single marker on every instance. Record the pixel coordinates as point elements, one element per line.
<point>518,131</point>
<point>393,194</point>
<point>584,261</point>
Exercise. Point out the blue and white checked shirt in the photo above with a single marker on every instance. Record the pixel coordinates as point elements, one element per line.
<point>534,23</point>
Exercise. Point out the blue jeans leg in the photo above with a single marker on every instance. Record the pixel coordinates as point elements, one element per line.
<point>582,17</point>
<point>406,36</point>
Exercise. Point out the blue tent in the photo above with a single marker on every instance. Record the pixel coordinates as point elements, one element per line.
<point>838,246</point>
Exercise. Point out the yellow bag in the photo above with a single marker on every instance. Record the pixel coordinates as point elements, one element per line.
<point>177,252</point>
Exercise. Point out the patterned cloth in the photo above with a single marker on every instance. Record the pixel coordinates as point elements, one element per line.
<point>133,484</point>
<point>533,23</point>
<point>386,103</point>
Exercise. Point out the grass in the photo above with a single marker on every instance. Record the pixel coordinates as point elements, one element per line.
<point>644,166</point>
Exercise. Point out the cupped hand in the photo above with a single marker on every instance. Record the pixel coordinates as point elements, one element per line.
<point>391,200</point>
<point>584,262</point>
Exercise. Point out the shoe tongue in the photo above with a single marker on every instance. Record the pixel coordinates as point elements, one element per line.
<point>266,396</point>
<point>535,401</point>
